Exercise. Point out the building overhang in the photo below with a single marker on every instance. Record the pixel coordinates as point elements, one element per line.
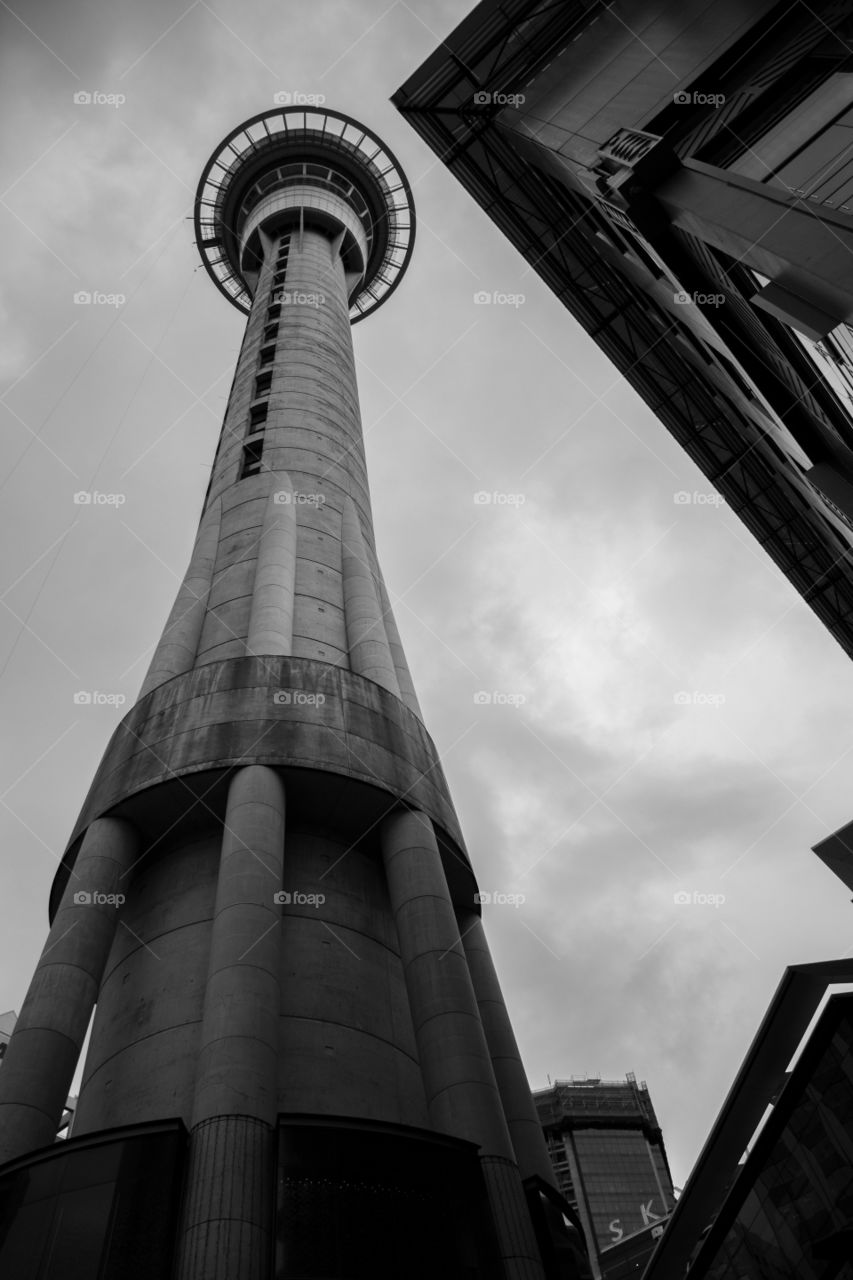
<point>762,1076</point>
<point>836,852</point>
<point>458,101</point>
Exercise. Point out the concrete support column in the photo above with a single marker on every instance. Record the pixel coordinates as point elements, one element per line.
<point>369,650</point>
<point>43,1052</point>
<point>227,1216</point>
<point>271,617</point>
<point>178,645</point>
<point>528,1140</point>
<point>459,1080</point>
<point>407,688</point>
<point>229,1200</point>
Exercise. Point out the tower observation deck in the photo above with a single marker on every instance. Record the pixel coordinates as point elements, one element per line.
<point>300,1063</point>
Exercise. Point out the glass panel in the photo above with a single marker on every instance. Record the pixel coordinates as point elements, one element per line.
<point>400,1207</point>
<point>104,1211</point>
<point>802,1192</point>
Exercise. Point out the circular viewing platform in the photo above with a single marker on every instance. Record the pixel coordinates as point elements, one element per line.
<point>305,148</point>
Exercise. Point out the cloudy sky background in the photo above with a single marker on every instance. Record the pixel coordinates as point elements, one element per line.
<point>597,598</point>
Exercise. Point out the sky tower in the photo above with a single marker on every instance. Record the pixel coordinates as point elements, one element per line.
<point>300,1061</point>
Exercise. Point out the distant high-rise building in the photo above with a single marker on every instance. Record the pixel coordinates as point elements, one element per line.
<point>679,172</point>
<point>607,1150</point>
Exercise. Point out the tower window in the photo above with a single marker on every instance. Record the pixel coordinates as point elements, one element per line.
<point>271,333</point>
<point>262,384</point>
<point>267,356</point>
<point>274,312</point>
<point>278,278</point>
<point>252,454</point>
<point>258,415</point>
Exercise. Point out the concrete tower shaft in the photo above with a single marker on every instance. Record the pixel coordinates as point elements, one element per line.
<point>266,894</point>
<point>285,560</point>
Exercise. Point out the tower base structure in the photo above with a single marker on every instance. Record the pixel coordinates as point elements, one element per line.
<point>298,1065</point>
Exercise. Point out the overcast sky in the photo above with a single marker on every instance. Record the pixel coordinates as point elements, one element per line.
<point>592,595</point>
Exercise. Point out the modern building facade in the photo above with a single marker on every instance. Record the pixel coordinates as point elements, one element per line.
<point>300,1061</point>
<point>771,1195</point>
<point>607,1150</point>
<point>679,172</point>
